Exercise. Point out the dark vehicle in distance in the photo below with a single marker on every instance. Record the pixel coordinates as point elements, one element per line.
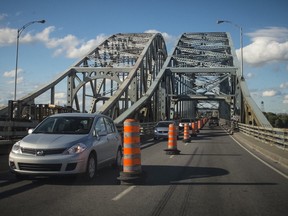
<point>185,121</point>
<point>214,121</point>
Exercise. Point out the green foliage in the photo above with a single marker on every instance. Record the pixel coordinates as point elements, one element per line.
<point>277,120</point>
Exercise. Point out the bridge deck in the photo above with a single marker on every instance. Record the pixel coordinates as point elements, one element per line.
<point>212,175</point>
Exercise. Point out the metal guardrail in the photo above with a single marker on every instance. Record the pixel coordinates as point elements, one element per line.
<point>146,130</point>
<point>10,130</point>
<point>275,136</point>
<point>15,129</point>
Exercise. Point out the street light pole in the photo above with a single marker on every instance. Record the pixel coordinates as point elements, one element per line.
<point>19,31</point>
<point>241,42</point>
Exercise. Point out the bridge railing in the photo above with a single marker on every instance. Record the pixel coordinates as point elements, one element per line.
<point>15,129</point>
<point>274,136</point>
<point>146,130</point>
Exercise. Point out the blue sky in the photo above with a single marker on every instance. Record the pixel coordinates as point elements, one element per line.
<point>72,28</point>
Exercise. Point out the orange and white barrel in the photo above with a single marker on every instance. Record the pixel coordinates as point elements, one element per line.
<point>172,140</point>
<point>132,170</point>
<point>186,135</point>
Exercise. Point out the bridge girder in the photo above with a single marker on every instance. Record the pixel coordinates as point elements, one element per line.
<point>117,74</point>
<point>203,67</point>
<point>131,76</point>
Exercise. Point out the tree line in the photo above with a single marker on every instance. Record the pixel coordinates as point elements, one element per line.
<point>277,120</point>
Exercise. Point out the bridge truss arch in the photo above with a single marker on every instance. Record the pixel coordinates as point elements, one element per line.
<point>131,76</point>
<point>208,79</point>
<point>117,74</point>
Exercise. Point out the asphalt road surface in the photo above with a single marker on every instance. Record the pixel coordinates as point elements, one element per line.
<point>212,175</point>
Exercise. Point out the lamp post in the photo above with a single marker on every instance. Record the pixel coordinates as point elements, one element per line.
<point>241,42</point>
<point>19,31</point>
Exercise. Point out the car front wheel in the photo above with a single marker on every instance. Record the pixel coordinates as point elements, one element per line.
<point>118,160</point>
<point>91,168</point>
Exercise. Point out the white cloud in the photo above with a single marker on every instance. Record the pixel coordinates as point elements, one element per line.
<point>60,95</point>
<point>268,45</point>
<point>270,93</point>
<point>19,80</point>
<point>250,75</point>
<point>7,36</point>
<point>69,45</point>
<point>9,73</point>
<point>285,101</point>
<point>284,85</point>
<point>3,16</point>
<point>60,98</point>
<point>75,52</point>
<point>169,39</point>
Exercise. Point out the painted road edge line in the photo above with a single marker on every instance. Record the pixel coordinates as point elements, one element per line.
<point>273,168</point>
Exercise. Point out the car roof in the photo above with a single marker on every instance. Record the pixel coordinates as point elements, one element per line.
<point>93,115</point>
<point>167,121</point>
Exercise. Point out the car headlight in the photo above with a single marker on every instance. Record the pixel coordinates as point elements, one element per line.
<point>76,149</point>
<point>16,148</point>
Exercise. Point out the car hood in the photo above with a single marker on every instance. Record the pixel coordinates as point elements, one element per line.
<point>52,140</point>
<point>162,128</point>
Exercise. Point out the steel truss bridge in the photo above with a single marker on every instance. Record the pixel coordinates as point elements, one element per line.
<point>133,76</point>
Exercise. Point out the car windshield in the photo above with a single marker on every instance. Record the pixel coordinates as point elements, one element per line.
<point>164,124</point>
<point>186,120</point>
<point>65,125</point>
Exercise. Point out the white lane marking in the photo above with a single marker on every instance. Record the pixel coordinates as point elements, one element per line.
<point>278,171</point>
<point>171,156</point>
<point>123,193</point>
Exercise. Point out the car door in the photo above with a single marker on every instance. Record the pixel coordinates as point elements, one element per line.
<point>101,142</point>
<point>113,138</point>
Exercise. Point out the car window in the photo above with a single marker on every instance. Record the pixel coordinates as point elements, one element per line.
<point>100,126</point>
<point>47,126</point>
<point>109,125</point>
<point>164,124</point>
<point>185,120</point>
<point>65,125</point>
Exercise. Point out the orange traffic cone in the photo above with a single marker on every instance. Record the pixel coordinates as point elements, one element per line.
<point>132,171</point>
<point>186,135</point>
<point>172,141</point>
<point>194,132</point>
<point>199,124</point>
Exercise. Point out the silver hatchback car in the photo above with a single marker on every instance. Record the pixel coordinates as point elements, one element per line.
<point>70,143</point>
<point>162,128</point>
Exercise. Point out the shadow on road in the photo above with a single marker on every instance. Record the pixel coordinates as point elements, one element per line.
<point>166,175</point>
<point>155,176</point>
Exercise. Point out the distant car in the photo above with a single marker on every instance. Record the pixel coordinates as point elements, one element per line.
<point>185,121</point>
<point>162,127</point>
<point>70,143</point>
<point>214,121</point>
